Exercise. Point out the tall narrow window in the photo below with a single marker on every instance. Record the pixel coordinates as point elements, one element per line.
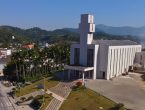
<point>76,56</point>
<point>90,57</point>
<point>141,57</point>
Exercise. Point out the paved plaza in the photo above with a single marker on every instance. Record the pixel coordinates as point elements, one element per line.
<point>128,90</point>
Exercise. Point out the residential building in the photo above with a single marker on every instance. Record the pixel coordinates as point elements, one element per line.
<point>4,52</point>
<point>28,46</point>
<point>4,58</point>
<point>3,62</point>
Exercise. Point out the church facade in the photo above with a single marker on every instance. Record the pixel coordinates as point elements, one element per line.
<point>99,59</point>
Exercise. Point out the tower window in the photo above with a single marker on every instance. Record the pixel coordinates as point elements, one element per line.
<point>90,57</point>
<point>76,56</point>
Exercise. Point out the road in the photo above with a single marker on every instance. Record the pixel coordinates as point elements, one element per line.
<point>5,103</point>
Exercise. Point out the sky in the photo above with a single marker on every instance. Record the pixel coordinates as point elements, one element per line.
<point>56,14</point>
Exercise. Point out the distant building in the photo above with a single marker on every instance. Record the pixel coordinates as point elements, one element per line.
<point>47,45</point>
<point>140,59</point>
<point>28,46</point>
<point>4,58</point>
<point>3,62</point>
<point>93,59</point>
<point>4,52</point>
<point>143,45</point>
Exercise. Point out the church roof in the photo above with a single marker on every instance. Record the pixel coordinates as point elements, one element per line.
<point>114,42</point>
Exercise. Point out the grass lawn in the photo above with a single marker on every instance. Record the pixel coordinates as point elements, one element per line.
<point>86,99</point>
<point>33,87</point>
<point>47,100</point>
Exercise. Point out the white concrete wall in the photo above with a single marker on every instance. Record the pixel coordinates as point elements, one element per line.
<point>120,58</point>
<point>2,65</point>
<point>86,28</point>
<point>96,49</point>
<point>83,55</point>
<point>9,52</point>
<point>113,60</point>
<point>102,60</point>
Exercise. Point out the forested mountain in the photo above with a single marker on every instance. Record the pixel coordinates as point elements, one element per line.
<point>124,30</point>
<point>37,34</point>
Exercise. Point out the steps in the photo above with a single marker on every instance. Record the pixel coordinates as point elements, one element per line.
<point>54,104</point>
<point>61,91</point>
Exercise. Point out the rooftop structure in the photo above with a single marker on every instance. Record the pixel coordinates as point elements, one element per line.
<point>114,42</point>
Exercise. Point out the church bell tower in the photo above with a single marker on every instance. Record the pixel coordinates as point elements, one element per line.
<point>86,28</point>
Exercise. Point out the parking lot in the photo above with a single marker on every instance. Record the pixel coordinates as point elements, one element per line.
<point>128,90</point>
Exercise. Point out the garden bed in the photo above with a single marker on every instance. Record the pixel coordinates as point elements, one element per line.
<point>33,87</point>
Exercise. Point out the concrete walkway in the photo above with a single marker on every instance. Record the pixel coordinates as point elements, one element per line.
<point>24,107</point>
<point>55,104</point>
<point>138,79</point>
<point>62,89</point>
<point>55,95</point>
<point>13,101</point>
<point>60,92</point>
<point>5,100</point>
<point>123,89</point>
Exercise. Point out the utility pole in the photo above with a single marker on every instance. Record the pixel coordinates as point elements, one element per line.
<point>44,82</point>
<point>44,88</point>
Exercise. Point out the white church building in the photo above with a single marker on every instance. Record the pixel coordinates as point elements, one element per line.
<point>99,59</point>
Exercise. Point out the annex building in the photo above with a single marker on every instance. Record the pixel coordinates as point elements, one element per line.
<point>94,59</point>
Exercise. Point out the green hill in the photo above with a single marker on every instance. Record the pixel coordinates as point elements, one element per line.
<point>37,34</point>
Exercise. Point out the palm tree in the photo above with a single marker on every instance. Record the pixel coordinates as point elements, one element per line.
<point>14,59</point>
<point>31,63</point>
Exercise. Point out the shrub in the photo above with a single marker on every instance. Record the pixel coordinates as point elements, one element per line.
<point>36,104</point>
<point>22,99</point>
<point>50,94</point>
<point>29,98</point>
<point>119,106</point>
<point>40,86</point>
<point>18,102</point>
<point>13,89</point>
<point>39,97</point>
<point>79,84</point>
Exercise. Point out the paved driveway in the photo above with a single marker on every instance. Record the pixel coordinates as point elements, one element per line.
<point>121,90</point>
<point>5,104</point>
